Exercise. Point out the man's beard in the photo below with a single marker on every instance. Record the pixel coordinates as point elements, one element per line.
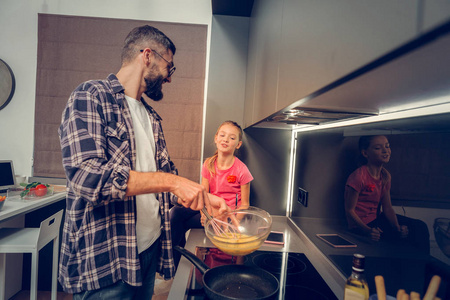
<point>154,88</point>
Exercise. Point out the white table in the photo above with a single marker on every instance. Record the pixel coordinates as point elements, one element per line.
<point>17,208</point>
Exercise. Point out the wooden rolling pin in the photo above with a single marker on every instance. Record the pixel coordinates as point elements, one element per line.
<point>381,289</point>
<point>433,287</point>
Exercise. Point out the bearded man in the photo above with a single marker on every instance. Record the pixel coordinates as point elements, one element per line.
<point>120,179</point>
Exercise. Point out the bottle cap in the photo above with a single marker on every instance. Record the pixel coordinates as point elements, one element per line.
<point>358,262</point>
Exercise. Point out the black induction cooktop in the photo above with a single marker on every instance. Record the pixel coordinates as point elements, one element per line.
<point>297,276</point>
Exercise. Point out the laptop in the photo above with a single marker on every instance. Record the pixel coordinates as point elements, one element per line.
<point>7,176</point>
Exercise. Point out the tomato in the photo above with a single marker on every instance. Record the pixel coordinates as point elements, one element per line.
<point>40,190</point>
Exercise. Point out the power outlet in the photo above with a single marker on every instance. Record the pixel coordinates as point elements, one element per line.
<point>303,197</point>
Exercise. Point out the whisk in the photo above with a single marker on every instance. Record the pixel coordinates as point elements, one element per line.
<point>221,228</point>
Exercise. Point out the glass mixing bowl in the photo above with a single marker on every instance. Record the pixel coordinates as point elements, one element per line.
<point>244,230</point>
<point>442,234</point>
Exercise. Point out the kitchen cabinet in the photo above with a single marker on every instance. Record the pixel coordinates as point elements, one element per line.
<point>325,40</point>
<point>297,48</point>
<point>263,60</point>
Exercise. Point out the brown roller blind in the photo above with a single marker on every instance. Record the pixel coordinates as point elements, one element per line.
<point>74,49</point>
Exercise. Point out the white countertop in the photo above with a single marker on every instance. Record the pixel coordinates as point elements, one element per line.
<point>295,241</point>
<point>15,206</point>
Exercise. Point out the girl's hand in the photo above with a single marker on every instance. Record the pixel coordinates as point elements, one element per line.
<point>375,234</point>
<point>218,205</point>
<point>202,219</point>
<point>404,231</point>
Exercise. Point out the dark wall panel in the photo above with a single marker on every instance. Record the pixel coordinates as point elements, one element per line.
<point>266,153</point>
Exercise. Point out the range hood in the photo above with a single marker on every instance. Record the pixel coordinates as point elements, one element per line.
<point>413,76</point>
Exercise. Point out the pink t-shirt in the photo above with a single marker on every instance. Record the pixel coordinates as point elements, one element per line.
<point>370,191</point>
<point>227,183</point>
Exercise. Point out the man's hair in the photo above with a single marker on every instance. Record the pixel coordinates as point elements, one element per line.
<point>145,37</point>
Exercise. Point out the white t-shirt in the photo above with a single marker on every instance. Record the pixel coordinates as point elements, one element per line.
<point>148,227</point>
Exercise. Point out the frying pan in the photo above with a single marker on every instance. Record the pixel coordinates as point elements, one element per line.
<point>234,281</point>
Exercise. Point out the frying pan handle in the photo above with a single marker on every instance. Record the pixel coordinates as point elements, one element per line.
<point>200,265</point>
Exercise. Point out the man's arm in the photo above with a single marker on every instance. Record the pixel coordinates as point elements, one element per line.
<point>190,194</point>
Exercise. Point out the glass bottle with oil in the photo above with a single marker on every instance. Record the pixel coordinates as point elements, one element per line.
<point>356,287</point>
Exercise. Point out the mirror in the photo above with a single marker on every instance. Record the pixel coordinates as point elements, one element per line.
<point>7,84</point>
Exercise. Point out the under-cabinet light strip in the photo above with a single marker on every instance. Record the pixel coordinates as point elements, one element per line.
<point>292,162</point>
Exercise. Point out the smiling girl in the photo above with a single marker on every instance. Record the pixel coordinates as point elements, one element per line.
<point>223,175</point>
<point>368,204</point>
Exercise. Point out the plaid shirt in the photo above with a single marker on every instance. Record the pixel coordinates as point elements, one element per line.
<point>99,245</point>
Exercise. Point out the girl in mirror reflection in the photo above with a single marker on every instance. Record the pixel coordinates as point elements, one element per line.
<point>368,204</point>
<point>223,175</point>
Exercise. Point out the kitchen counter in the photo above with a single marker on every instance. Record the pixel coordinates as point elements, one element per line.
<point>401,265</point>
<point>313,226</point>
<point>295,241</point>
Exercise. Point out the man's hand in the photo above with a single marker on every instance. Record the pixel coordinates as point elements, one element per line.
<point>190,194</point>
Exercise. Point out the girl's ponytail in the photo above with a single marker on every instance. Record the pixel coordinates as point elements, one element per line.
<point>210,164</point>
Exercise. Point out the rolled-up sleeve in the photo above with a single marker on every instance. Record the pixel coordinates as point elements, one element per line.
<point>120,175</point>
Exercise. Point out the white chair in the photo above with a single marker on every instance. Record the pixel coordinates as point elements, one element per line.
<point>31,240</point>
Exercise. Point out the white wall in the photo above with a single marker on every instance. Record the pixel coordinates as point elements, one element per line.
<point>18,48</point>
